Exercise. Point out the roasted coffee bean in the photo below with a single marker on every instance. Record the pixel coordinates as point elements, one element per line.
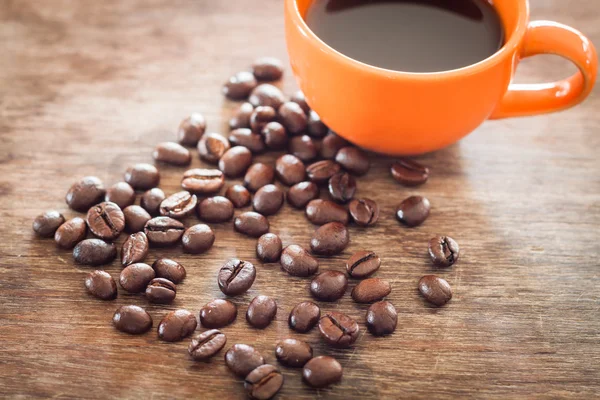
<point>177,325</point>
<point>106,220</point>
<point>207,344</point>
<point>316,128</point>
<point>101,285</point>
<point>262,116</point>
<point>370,290</point>
<point>135,277</point>
<point>132,319</point>
<point>409,172</point>
<point>163,231</point>
<point>46,224</point>
<point>322,171</point>
<point>151,200</point>
<point>94,252</point>
<point>191,130</point>
<point>240,85</point>
<point>268,248</point>
<point>304,316</point>
<point>297,261</point>
<point>342,187</point>
<point>338,329</point>
<point>212,146</point>
<point>331,144</point>
<point>363,264</point>
<point>444,251</point>
<point>263,382</point>
<point>261,311</point>
<point>169,269</point>
<point>329,286</point>
<point>266,95</point>
<point>320,212</point>
<point>322,371</point>
<point>121,193</point>
<point>299,98</point>
<point>135,218</point>
<point>241,119</point>
<point>215,209</point>
<point>275,136</point>
<point>161,291</point>
<point>330,239</point>
<point>251,223</point>
<point>235,161</point>
<point>70,233</point>
<point>364,212</point>
<point>292,116</point>
<point>413,211</point>
<point>303,147</point>
<point>238,195</point>
<point>179,205</point>
<point>198,239</point>
<point>382,318</point>
<point>241,359</point>
<point>85,193</point>
<point>290,169</point>
<point>302,193</point>
<point>172,153</point>
<point>258,175</point>
<point>267,69</point>
<point>218,313</point>
<point>268,200</point>
<point>435,290</point>
<point>245,137</point>
<point>293,353</point>
<point>353,160</point>
<point>236,277</point>
<point>203,181</point>
<point>134,249</point>
<point>142,176</point>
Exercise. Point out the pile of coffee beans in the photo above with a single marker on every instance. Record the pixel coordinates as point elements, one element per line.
<point>316,157</point>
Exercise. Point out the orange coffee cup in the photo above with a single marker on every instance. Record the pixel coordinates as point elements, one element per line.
<point>410,113</point>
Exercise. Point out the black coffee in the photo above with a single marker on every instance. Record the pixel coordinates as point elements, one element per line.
<point>409,35</point>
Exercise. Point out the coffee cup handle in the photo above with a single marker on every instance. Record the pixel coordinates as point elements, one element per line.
<point>545,37</point>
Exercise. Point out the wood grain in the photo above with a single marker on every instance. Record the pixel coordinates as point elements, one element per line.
<point>88,88</point>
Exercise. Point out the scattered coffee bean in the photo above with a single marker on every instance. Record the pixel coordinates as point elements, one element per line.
<point>268,248</point>
<point>142,176</point>
<point>179,205</point>
<point>198,239</point>
<point>245,137</point>
<point>241,119</point>
<point>258,175</point>
<point>169,269</point>
<point>303,147</point>
<point>370,290</point>
<point>135,277</point>
<point>132,319</point>
<point>134,249</point>
<point>353,160</point>
<point>382,318</point>
<point>304,316</point>
<point>293,353</point>
<point>322,171</point>
<point>218,313</point>
<point>172,153</point>
<point>101,285</point>
<point>94,252</point>
<point>164,231</point>
<point>161,291</point>
<point>191,130</point>
<point>235,161</point>
<point>240,85</point>
<point>177,325</point>
<point>261,311</point>
<point>212,146</point>
<point>299,98</point>
<point>215,209</point>
<point>46,224</point>
<point>70,233</point>
<point>290,169</point>
<point>266,95</point>
<point>241,359</point>
<point>275,136</point>
<point>263,382</point>
<point>364,212</point>
<point>330,239</point>
<point>363,264</point>
<point>316,128</point>
<point>151,200</point>
<point>268,200</point>
<point>413,211</point>
<point>251,223</point>
<point>236,277</point>
<point>331,144</point>
<point>301,193</point>
<point>322,371</point>
<point>435,290</point>
<point>85,193</point>
<point>203,181</point>
<point>267,69</point>
<point>238,195</point>
<point>409,172</point>
<point>106,220</point>
<point>262,116</point>
<point>320,212</point>
<point>338,329</point>
<point>444,251</point>
<point>292,116</point>
<point>207,344</point>
<point>121,193</point>
<point>329,286</point>
<point>297,261</point>
<point>342,187</point>
<point>135,218</point>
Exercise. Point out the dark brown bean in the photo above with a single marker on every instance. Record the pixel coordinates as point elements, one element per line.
<point>142,176</point>
<point>132,319</point>
<point>70,233</point>
<point>321,212</point>
<point>94,252</point>
<point>261,311</point>
<point>212,146</point>
<point>435,290</point>
<point>293,117</point>
<point>179,205</point>
<point>238,195</point>
<point>135,218</point>
<point>245,137</point>
<point>235,161</point>
<point>169,269</point>
<point>236,277</point>
<point>364,212</point>
<point>353,160</point>
<point>290,169</point>
<point>444,251</point>
<point>303,147</point>
<point>241,119</point>
<point>322,171</point>
<point>163,231</point>
<point>329,286</point>
<point>241,359</point>
<point>121,193</point>
<point>135,277</point>
<point>85,193</point>
<point>363,264</point>
<point>101,285</point>
<point>268,200</point>
<point>268,248</point>
<point>172,153</point>
<point>316,128</point>
<point>46,224</point>
<point>191,130</point>
<point>302,193</point>
<point>297,261</point>
<point>262,116</point>
<point>240,85</point>
<point>218,313</point>
<point>207,344</point>
<point>370,290</point>
<point>330,239</point>
<point>151,200</point>
<point>258,175</point>
<point>409,172</point>
<point>342,187</point>
<point>382,318</point>
<point>266,95</point>
<point>293,353</point>
<point>267,69</point>
<point>251,223</point>
<point>177,325</point>
<point>215,209</point>
<point>299,98</point>
<point>134,249</point>
<point>161,291</point>
<point>338,329</point>
<point>304,316</point>
<point>203,181</point>
<point>198,239</point>
<point>106,220</point>
<point>331,144</point>
<point>275,136</point>
<point>322,371</point>
<point>413,211</point>
<point>263,382</point>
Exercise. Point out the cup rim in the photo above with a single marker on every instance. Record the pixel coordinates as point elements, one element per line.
<point>505,51</point>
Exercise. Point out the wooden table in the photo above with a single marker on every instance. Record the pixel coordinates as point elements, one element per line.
<point>88,88</point>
